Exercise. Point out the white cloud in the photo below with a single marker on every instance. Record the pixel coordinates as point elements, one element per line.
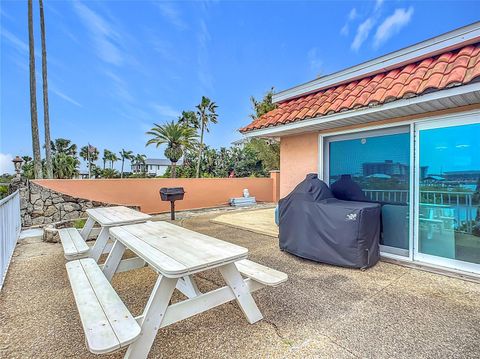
<point>164,48</point>
<point>6,164</point>
<point>378,4</point>
<point>204,74</point>
<point>104,36</point>
<point>363,31</point>
<point>171,13</point>
<point>120,86</point>
<point>314,61</point>
<point>64,96</point>
<point>166,111</point>
<point>392,25</point>
<point>17,43</point>
<point>352,15</point>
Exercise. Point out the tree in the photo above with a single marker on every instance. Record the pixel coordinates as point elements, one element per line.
<point>62,145</point>
<point>106,156</point>
<point>46,117</point>
<point>109,173</point>
<point>27,167</point>
<point>64,165</point>
<point>139,160</point>
<point>264,106</point>
<point>125,155</point>
<point>112,158</point>
<point>89,154</point>
<point>37,159</point>
<point>189,119</point>
<point>268,151</point>
<point>177,138</point>
<point>206,114</point>
<point>64,158</point>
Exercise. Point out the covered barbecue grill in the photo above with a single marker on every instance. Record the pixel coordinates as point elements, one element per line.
<point>172,194</point>
<point>317,226</point>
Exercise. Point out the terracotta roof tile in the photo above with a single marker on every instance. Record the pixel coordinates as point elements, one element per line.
<point>449,69</point>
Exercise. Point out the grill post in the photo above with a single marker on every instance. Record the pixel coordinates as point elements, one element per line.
<point>172,210</point>
<point>172,194</point>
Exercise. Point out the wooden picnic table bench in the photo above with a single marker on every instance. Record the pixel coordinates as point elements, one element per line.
<point>74,242</point>
<point>175,253</point>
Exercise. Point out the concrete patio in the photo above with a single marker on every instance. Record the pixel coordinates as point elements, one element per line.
<point>322,311</point>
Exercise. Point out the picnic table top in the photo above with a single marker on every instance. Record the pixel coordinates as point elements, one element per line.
<point>176,251</point>
<point>118,215</point>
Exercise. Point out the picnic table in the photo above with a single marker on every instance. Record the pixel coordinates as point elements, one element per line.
<point>74,243</point>
<point>175,253</point>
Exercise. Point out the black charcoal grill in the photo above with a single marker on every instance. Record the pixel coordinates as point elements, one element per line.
<point>172,194</point>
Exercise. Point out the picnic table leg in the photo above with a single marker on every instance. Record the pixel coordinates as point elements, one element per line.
<point>152,317</point>
<point>187,286</point>
<point>100,243</point>
<point>87,228</point>
<point>113,260</point>
<point>244,298</point>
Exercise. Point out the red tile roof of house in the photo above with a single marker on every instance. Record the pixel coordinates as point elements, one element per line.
<point>452,68</point>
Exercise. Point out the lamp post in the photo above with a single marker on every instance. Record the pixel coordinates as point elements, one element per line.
<point>17,162</point>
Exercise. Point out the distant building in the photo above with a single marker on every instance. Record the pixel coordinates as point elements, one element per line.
<point>153,166</point>
<point>241,142</point>
<point>83,175</point>
<point>390,168</point>
<point>462,176</point>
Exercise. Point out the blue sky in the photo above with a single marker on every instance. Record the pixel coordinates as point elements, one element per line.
<point>116,67</point>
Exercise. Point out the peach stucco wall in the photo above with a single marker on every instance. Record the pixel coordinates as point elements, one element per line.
<point>142,192</point>
<point>298,157</point>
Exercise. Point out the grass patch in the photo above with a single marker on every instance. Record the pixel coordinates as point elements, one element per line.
<point>79,223</point>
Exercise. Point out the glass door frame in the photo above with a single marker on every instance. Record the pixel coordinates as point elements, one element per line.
<point>459,120</point>
<point>374,131</point>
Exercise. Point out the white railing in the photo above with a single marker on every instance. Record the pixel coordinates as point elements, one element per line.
<point>464,213</point>
<point>387,195</point>
<point>10,226</point>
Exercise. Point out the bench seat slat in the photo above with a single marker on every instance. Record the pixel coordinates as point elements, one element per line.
<point>112,304</point>
<point>73,244</point>
<point>107,323</point>
<point>261,273</point>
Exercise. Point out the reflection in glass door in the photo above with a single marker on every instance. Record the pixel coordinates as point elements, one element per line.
<point>378,164</point>
<point>448,194</point>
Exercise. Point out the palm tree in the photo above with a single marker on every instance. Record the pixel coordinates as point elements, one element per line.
<point>62,145</point>
<point>206,113</point>
<point>64,165</point>
<point>89,154</point>
<point>125,155</point>
<point>112,158</point>
<point>106,157</point>
<point>46,117</point>
<point>139,159</point>
<point>109,173</point>
<point>37,158</point>
<point>189,119</point>
<point>26,159</point>
<point>176,136</point>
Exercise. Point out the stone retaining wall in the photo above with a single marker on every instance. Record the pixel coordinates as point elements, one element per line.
<point>40,205</point>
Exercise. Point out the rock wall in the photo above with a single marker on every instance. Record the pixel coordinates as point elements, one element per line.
<point>40,205</point>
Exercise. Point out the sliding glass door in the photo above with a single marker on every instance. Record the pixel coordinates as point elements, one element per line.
<point>447,196</point>
<point>379,163</point>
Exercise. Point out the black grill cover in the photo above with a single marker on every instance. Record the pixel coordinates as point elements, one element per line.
<point>348,190</point>
<point>315,225</point>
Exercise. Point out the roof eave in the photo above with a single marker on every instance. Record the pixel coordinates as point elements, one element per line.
<point>472,91</point>
<point>449,41</point>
